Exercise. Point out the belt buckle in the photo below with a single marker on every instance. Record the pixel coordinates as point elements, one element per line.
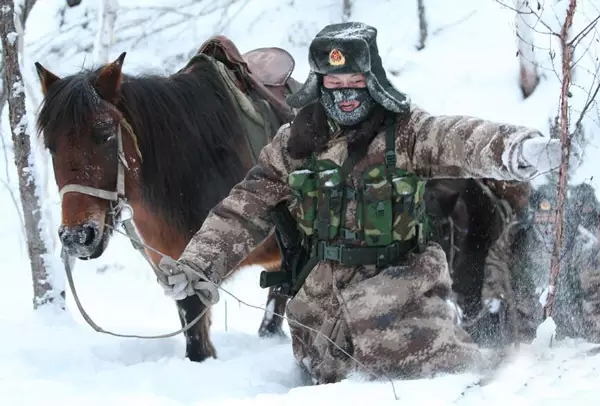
<point>332,252</point>
<point>383,255</point>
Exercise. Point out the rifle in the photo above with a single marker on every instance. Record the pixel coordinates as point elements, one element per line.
<point>293,253</point>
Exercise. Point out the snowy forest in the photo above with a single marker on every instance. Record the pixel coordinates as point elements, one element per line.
<point>525,62</point>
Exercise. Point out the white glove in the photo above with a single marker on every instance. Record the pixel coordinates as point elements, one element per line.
<point>543,154</point>
<point>494,305</point>
<point>180,280</point>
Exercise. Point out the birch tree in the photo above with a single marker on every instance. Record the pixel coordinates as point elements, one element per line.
<point>524,23</point>
<point>48,287</point>
<point>105,34</point>
<point>570,30</point>
<point>422,24</point>
<point>346,9</point>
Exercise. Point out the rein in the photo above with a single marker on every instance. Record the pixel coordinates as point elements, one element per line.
<point>119,205</point>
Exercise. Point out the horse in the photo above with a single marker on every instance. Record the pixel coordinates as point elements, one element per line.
<point>170,148</point>
<point>465,219</point>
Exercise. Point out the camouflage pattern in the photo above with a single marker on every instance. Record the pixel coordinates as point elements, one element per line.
<point>518,264</point>
<point>304,189</point>
<point>498,284</point>
<point>397,319</point>
<point>330,191</point>
<point>588,270</point>
<point>389,211</point>
<point>376,214</point>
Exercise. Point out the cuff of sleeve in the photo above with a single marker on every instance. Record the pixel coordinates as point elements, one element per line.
<point>201,266</point>
<point>512,157</point>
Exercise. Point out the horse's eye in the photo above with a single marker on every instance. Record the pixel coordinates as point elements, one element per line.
<point>103,134</point>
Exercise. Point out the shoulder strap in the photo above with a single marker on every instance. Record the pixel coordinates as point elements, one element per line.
<point>390,146</point>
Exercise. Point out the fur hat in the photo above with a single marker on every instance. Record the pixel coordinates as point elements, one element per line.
<point>348,48</point>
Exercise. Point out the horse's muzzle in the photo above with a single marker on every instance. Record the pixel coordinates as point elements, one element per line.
<point>82,240</point>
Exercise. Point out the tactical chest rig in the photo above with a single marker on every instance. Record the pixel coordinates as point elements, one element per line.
<point>390,217</point>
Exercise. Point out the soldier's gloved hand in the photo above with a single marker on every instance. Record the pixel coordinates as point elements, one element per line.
<point>543,154</point>
<point>181,279</point>
<point>494,304</point>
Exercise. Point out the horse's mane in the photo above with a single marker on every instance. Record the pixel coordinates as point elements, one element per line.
<point>187,128</point>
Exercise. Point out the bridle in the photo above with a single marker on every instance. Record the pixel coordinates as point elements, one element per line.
<point>117,200</point>
<point>119,205</point>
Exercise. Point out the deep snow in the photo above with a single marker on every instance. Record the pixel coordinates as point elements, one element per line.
<point>468,67</point>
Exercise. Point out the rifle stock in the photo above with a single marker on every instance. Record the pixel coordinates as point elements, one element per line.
<point>293,255</point>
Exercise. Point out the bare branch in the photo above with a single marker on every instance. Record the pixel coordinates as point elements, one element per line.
<point>590,100</point>
<point>583,33</point>
<point>454,23</point>
<point>530,11</point>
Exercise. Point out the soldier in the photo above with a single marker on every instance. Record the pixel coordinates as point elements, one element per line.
<point>518,265</point>
<point>351,166</point>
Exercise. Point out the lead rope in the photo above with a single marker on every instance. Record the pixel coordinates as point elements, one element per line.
<point>208,285</point>
<point>133,236</point>
<point>118,196</point>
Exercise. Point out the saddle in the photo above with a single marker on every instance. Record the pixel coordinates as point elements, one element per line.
<point>266,70</point>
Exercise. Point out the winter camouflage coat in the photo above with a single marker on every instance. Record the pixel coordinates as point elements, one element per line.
<point>517,269</point>
<point>397,319</point>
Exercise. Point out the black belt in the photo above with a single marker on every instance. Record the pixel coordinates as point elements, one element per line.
<point>381,256</point>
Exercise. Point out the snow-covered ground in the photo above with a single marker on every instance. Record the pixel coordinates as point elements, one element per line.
<point>468,66</point>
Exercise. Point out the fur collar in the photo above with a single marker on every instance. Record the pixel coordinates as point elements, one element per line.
<point>310,132</point>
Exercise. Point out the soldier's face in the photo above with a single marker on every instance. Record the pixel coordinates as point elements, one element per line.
<point>544,221</point>
<point>346,80</point>
<point>346,98</point>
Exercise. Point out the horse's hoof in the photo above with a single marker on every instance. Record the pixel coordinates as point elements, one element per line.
<point>270,331</point>
<point>196,352</point>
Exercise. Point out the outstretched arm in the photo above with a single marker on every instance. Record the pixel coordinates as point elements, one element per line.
<point>240,221</point>
<point>463,146</point>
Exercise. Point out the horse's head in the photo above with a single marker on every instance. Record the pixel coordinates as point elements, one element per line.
<point>81,128</point>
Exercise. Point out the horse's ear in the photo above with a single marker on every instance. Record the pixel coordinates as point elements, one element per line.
<point>108,84</point>
<point>46,77</point>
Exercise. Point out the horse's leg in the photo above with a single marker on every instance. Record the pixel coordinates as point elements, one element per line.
<point>198,344</point>
<point>271,324</point>
<point>268,256</point>
<point>155,233</point>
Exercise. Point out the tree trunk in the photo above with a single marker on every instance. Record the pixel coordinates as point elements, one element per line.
<point>422,25</point>
<point>346,10</point>
<point>528,74</point>
<point>105,35</point>
<point>39,256</point>
<point>565,137</point>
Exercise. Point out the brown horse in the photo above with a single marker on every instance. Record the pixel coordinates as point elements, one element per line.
<point>169,147</point>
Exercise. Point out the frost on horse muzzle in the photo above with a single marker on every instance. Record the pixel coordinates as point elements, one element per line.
<point>89,240</point>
